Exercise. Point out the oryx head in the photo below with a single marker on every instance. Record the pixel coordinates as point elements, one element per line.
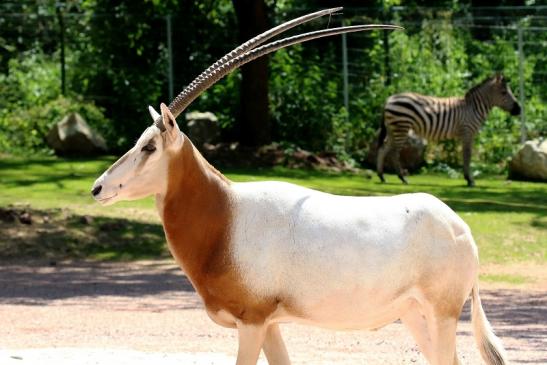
<point>503,97</point>
<point>142,171</point>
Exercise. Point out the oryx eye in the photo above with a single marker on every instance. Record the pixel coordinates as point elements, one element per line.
<point>149,148</point>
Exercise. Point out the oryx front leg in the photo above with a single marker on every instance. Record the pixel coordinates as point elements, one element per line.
<point>251,339</point>
<point>274,347</point>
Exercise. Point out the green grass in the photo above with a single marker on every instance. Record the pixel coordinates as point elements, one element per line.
<point>53,182</point>
<point>508,219</point>
<point>506,278</point>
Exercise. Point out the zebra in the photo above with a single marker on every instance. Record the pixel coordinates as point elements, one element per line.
<point>437,119</point>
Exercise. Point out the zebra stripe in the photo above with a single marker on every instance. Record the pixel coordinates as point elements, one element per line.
<point>437,118</point>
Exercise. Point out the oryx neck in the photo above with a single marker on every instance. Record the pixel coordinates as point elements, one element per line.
<point>196,212</point>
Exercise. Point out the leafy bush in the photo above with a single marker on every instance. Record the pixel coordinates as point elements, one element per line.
<point>32,79</point>
<point>24,129</point>
<point>31,103</point>
<point>303,100</point>
<point>125,71</point>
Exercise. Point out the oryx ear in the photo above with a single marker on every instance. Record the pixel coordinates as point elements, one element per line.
<point>169,122</point>
<point>153,113</point>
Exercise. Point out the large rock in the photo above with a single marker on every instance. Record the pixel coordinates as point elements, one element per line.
<point>73,136</point>
<point>530,162</point>
<point>202,128</point>
<point>412,155</point>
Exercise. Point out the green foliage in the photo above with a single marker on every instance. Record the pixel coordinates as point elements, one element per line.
<point>24,129</point>
<point>124,71</point>
<point>31,79</point>
<point>298,85</point>
<point>31,103</point>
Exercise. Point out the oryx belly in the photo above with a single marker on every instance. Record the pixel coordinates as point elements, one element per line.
<point>344,262</point>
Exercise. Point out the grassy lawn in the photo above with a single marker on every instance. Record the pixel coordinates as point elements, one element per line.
<point>509,219</point>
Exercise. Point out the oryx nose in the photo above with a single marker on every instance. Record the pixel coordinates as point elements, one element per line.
<point>96,190</point>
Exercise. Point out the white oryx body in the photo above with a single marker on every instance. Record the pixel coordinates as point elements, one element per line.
<point>268,252</point>
<point>348,262</point>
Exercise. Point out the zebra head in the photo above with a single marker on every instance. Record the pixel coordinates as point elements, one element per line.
<point>502,96</point>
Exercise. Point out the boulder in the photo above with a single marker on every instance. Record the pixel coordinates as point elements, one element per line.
<point>412,155</point>
<point>73,136</point>
<point>202,128</point>
<point>530,162</point>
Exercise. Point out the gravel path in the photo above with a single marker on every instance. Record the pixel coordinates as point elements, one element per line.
<point>147,312</point>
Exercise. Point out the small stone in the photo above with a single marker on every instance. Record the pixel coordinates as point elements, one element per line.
<point>25,218</point>
<point>530,162</point>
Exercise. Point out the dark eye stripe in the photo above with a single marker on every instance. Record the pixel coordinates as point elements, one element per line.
<point>149,148</point>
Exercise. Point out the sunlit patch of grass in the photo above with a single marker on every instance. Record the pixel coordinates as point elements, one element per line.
<point>51,182</point>
<point>506,278</point>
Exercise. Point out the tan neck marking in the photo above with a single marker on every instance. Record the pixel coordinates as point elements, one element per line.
<point>197,215</point>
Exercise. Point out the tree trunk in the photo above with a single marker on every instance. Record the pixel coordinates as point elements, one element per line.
<point>254,118</point>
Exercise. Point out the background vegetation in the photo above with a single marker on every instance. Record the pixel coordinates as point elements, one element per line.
<point>112,75</point>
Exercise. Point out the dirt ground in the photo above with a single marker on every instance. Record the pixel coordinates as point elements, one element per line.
<point>147,312</point>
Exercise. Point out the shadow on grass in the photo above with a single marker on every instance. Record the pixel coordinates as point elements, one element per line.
<point>49,260</point>
<point>58,234</point>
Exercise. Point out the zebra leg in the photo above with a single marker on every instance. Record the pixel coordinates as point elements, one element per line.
<point>397,165</point>
<point>467,149</point>
<point>382,153</point>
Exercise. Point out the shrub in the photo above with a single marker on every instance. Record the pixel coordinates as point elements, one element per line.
<point>24,129</point>
<point>30,103</point>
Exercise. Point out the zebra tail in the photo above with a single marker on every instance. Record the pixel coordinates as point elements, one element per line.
<point>383,133</point>
<point>489,345</point>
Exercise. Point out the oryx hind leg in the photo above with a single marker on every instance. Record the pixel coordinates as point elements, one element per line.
<point>443,340</point>
<point>274,347</point>
<point>442,317</point>
<point>435,336</point>
<point>415,321</point>
<point>251,339</point>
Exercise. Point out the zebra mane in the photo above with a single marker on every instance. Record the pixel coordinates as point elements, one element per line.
<point>472,91</point>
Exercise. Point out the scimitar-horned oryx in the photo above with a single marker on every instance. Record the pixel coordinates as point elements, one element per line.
<point>263,253</point>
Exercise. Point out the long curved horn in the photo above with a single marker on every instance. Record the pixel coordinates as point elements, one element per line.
<point>213,74</point>
<point>263,37</point>
<point>241,49</point>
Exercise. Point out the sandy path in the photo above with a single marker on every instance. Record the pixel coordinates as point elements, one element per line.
<point>144,312</point>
